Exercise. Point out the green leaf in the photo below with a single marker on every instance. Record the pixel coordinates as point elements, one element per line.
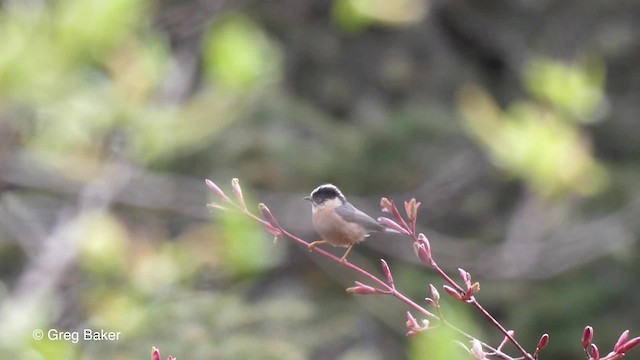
<point>247,248</point>
<point>239,56</point>
<point>575,89</point>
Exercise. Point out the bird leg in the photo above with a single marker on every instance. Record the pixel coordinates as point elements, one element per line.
<point>316,243</point>
<point>313,245</point>
<point>344,257</point>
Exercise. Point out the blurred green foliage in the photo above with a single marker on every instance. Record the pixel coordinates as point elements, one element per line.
<point>355,15</point>
<point>573,89</point>
<point>239,56</point>
<point>44,45</point>
<point>535,144</point>
<point>442,342</point>
<point>64,64</point>
<point>51,349</point>
<point>103,246</point>
<point>247,249</point>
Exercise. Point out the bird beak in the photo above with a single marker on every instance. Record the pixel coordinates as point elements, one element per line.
<point>307,198</point>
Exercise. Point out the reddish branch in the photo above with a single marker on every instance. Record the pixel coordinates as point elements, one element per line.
<point>464,291</point>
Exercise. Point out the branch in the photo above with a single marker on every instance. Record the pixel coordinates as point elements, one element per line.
<point>464,293</point>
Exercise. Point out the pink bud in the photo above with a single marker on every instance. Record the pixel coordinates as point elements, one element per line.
<point>430,301</point>
<point>453,292</point>
<point>621,340</point>
<point>213,187</point>
<point>594,352</point>
<point>155,353</point>
<point>422,248</point>
<point>423,253</point>
<point>266,213</point>
<point>411,208</point>
<point>386,222</point>
<point>237,190</point>
<point>476,350</point>
<point>362,289</point>
<point>387,273</point>
<point>542,343</point>
<point>412,323</point>
<point>435,295</point>
<point>629,345</point>
<point>386,205</point>
<point>423,238</point>
<point>587,337</point>
<point>389,207</point>
<point>466,277</point>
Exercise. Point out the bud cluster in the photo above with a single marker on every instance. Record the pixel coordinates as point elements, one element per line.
<point>620,349</point>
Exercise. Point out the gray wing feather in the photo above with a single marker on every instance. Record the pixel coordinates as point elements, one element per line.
<point>350,214</point>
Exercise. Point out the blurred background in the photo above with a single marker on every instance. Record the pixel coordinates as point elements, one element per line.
<point>515,123</point>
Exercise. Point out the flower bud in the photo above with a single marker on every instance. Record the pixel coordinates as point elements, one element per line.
<point>422,248</point>
<point>362,289</point>
<point>621,340</point>
<point>629,345</point>
<point>266,213</point>
<point>237,190</point>
<point>475,288</point>
<point>542,343</point>
<point>386,205</point>
<point>430,301</point>
<point>423,252</point>
<point>476,350</point>
<point>594,352</point>
<point>155,354</point>
<point>435,295</point>
<point>453,292</point>
<point>411,208</point>
<point>387,273</point>
<point>587,337</point>
<point>412,323</point>
<point>466,277</point>
<point>386,222</point>
<point>213,187</point>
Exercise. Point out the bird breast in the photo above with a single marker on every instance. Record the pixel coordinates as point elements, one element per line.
<point>335,230</point>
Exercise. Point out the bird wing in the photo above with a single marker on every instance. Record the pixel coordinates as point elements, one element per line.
<point>350,214</point>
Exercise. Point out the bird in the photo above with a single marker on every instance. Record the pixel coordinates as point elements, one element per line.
<point>337,221</point>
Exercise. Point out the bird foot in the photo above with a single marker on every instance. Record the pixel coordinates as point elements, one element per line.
<point>316,243</point>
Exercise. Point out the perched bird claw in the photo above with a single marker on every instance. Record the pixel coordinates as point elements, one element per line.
<point>313,245</point>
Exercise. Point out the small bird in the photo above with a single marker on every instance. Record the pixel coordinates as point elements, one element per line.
<point>337,221</point>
